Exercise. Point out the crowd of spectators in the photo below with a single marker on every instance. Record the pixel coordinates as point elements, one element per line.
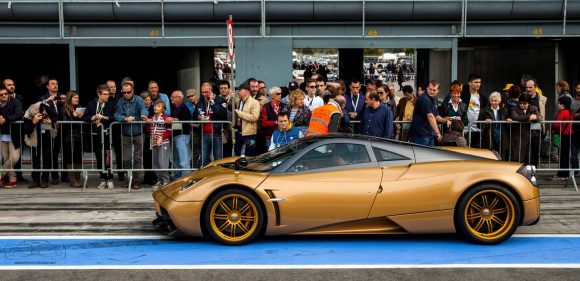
<point>149,132</point>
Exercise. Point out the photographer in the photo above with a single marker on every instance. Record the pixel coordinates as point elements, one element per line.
<point>40,135</point>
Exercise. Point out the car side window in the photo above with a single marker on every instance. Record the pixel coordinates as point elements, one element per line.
<point>384,155</point>
<point>331,155</point>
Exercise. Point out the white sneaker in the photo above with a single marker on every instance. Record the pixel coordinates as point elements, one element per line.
<point>110,184</point>
<point>157,185</point>
<point>102,185</point>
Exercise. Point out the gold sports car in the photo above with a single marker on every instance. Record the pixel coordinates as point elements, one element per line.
<point>345,184</point>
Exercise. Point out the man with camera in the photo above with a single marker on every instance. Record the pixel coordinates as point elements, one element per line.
<point>210,108</point>
<point>55,101</point>
<point>40,133</point>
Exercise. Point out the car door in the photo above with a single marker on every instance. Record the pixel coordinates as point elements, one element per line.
<point>329,184</point>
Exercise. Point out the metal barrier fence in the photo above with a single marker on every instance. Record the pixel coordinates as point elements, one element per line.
<point>84,148</point>
<point>38,149</point>
<point>186,147</point>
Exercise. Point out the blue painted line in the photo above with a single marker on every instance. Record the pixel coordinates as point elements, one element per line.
<point>287,251</point>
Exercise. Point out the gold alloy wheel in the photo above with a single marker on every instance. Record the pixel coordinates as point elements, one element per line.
<point>489,215</point>
<point>234,217</point>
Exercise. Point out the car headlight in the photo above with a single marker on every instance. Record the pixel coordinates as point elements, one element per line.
<point>189,184</point>
<point>529,171</point>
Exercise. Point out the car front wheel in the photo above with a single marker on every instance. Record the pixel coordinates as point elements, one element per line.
<point>233,217</point>
<point>488,214</point>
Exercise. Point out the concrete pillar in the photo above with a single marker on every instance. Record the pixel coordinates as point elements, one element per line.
<point>72,61</point>
<point>454,61</point>
<point>189,75</point>
<point>440,69</point>
<point>267,59</point>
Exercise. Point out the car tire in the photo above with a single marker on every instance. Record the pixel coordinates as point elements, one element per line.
<point>233,217</point>
<point>487,214</point>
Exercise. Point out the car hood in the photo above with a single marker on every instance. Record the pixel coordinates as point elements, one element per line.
<point>197,186</point>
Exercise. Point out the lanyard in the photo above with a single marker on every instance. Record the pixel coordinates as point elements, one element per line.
<point>355,105</point>
<point>100,108</point>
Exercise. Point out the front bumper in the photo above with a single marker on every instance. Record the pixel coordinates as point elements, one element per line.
<point>531,211</point>
<point>176,218</point>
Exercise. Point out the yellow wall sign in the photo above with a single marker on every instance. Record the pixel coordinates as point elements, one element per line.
<point>538,31</point>
<point>154,33</point>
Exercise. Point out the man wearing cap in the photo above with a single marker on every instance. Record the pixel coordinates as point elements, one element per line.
<point>529,116</point>
<point>248,114</point>
<point>191,103</point>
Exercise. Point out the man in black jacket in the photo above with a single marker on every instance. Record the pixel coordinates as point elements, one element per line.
<point>55,101</point>
<point>100,113</point>
<point>10,112</point>
<point>11,87</point>
<point>181,137</point>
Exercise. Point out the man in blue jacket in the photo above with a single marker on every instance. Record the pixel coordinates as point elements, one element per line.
<point>129,110</point>
<point>286,132</point>
<point>377,119</point>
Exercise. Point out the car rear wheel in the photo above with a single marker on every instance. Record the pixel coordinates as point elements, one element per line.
<point>233,217</point>
<point>488,214</point>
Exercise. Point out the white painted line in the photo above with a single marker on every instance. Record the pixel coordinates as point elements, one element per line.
<point>548,235</point>
<point>164,237</point>
<point>259,266</point>
<point>82,237</point>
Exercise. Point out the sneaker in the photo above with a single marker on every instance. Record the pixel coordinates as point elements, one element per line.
<point>10,184</point>
<point>21,180</point>
<point>110,184</point>
<point>157,185</point>
<point>102,185</point>
<point>557,178</point>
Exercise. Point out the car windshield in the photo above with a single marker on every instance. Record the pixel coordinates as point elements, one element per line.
<point>276,157</point>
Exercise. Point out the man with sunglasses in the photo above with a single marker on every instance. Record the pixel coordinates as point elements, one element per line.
<point>129,110</point>
<point>11,87</point>
<point>312,101</point>
<point>10,112</point>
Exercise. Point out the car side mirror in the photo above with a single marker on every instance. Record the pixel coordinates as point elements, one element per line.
<point>241,163</point>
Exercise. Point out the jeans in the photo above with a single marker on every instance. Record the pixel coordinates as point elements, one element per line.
<point>160,161</point>
<point>209,143</point>
<point>181,154</point>
<point>132,152</point>
<point>248,141</point>
<point>426,141</point>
